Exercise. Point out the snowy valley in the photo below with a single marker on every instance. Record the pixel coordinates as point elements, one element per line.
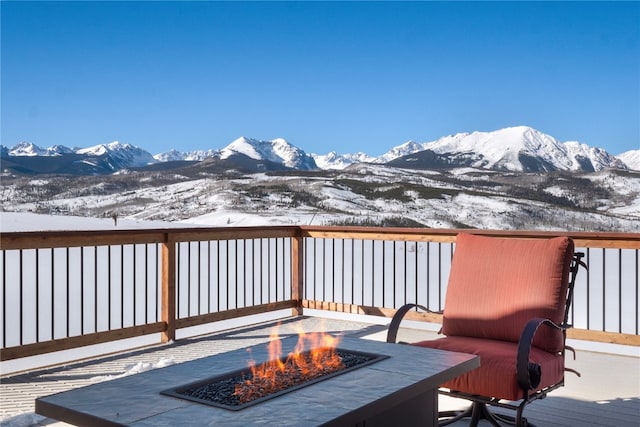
<point>362,194</point>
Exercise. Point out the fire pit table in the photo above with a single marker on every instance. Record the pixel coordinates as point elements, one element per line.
<point>397,386</point>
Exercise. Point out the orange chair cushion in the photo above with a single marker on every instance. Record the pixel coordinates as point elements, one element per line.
<point>496,376</point>
<point>497,284</point>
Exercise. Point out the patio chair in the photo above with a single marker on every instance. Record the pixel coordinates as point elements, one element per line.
<point>508,302</point>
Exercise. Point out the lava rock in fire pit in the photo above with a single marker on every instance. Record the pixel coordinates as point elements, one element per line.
<point>240,389</point>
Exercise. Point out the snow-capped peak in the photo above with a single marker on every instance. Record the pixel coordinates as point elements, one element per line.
<point>25,148</point>
<point>502,148</point>
<point>631,158</point>
<point>30,150</point>
<point>101,149</point>
<point>333,160</point>
<point>405,149</point>
<point>123,155</point>
<point>58,150</point>
<point>197,155</point>
<point>169,156</point>
<point>277,151</point>
<point>522,148</point>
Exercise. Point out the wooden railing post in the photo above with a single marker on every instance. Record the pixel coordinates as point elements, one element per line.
<point>168,308</point>
<point>297,268</point>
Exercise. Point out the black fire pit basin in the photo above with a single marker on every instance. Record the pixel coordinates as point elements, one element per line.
<point>218,390</point>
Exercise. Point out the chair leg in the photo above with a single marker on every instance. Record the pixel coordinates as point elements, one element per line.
<point>479,411</point>
<point>518,420</point>
<point>449,417</point>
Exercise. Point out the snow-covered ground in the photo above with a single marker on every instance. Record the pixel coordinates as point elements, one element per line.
<point>26,221</point>
<point>365,194</point>
<point>31,419</point>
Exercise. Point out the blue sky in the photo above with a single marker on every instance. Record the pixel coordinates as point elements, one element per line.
<point>326,76</point>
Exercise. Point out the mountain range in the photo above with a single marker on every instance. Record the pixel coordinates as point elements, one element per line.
<point>513,178</point>
<point>514,149</point>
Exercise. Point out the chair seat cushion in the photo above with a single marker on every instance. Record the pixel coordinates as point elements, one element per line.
<point>496,376</point>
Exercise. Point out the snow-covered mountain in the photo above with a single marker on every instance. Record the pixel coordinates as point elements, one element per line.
<point>100,159</point>
<point>631,158</point>
<point>333,160</point>
<point>401,150</point>
<point>29,149</point>
<point>276,151</point>
<point>518,148</point>
<point>515,149</point>
<point>108,158</point>
<point>120,155</point>
<point>196,155</point>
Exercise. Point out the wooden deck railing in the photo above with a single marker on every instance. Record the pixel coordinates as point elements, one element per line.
<point>63,290</point>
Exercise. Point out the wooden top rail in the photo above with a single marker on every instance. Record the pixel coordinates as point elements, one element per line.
<point>68,239</point>
<point>582,239</point>
<point>78,238</point>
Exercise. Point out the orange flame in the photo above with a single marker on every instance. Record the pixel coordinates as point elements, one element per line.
<point>314,354</point>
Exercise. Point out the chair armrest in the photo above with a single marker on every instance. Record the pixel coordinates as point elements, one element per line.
<point>397,318</point>
<point>529,374</point>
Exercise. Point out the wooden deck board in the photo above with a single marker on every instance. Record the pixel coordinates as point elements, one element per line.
<point>608,394</point>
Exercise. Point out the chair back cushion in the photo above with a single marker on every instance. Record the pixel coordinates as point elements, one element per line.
<point>497,284</point>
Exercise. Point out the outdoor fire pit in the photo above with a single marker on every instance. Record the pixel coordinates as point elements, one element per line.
<point>378,384</point>
<point>242,388</point>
